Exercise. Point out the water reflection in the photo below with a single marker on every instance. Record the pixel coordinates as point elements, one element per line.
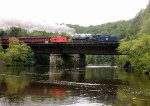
<point>101,86</point>
<point>13,81</point>
<point>138,90</point>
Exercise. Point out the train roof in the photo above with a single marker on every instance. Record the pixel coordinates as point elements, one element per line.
<point>26,36</point>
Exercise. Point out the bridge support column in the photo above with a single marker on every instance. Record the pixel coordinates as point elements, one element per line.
<point>53,59</point>
<point>82,60</point>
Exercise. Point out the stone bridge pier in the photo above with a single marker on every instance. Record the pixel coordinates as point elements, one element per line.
<point>68,61</point>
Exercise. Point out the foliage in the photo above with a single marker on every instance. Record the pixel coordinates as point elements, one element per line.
<point>15,31</point>
<point>78,28</point>
<point>2,33</point>
<point>1,52</point>
<point>145,27</point>
<point>18,54</point>
<point>135,25</point>
<point>112,28</point>
<point>39,33</point>
<point>145,20</point>
<point>138,51</point>
<point>102,59</point>
<point>138,45</point>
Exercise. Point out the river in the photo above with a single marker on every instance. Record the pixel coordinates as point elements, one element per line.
<point>99,86</point>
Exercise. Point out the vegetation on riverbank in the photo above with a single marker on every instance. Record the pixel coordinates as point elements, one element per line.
<point>17,54</point>
<point>138,45</point>
<point>138,52</point>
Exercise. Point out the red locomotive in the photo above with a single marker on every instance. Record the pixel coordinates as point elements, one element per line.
<point>60,39</point>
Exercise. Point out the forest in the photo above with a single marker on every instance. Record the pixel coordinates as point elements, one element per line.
<point>134,35</point>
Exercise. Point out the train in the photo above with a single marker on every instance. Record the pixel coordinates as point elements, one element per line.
<point>62,39</point>
<point>37,39</point>
<point>95,38</point>
<point>104,38</point>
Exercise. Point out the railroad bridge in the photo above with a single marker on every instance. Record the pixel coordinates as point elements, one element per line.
<point>99,48</point>
<point>82,49</point>
<point>67,49</point>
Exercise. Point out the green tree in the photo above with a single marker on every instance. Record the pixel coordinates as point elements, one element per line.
<point>1,55</point>
<point>145,28</point>
<point>2,32</point>
<point>16,31</point>
<point>138,51</point>
<point>18,54</point>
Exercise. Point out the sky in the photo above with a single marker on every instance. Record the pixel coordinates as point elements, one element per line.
<point>82,12</point>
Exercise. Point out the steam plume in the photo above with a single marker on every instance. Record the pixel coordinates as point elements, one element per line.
<point>36,25</point>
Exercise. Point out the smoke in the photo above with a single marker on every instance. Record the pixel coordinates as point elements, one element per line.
<point>36,25</point>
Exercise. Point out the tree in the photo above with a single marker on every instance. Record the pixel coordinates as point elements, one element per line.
<point>14,31</point>
<point>2,32</point>
<point>18,54</point>
<point>145,28</point>
<point>1,51</point>
<point>138,51</point>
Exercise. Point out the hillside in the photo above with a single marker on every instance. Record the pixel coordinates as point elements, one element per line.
<point>140,24</point>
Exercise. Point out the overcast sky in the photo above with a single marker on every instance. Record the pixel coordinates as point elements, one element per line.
<point>82,12</point>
